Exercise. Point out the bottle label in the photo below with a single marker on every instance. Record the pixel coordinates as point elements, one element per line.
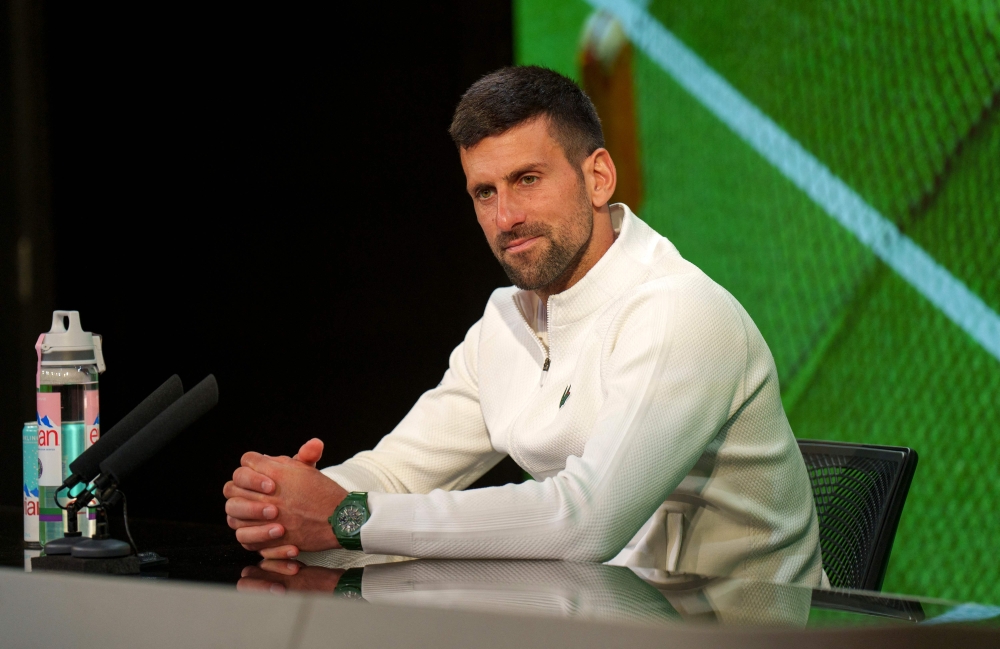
<point>29,445</point>
<point>91,417</point>
<point>49,417</point>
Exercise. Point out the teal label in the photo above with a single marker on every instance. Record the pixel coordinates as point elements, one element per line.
<point>29,486</point>
<point>29,452</point>
<point>74,444</point>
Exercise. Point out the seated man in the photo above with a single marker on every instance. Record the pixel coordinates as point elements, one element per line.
<point>636,391</point>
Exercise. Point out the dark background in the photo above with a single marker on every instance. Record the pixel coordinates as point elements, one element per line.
<point>269,196</point>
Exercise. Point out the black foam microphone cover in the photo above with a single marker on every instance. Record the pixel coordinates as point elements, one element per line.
<point>158,433</point>
<point>86,467</point>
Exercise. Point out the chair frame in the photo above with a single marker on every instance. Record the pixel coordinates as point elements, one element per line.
<point>906,458</point>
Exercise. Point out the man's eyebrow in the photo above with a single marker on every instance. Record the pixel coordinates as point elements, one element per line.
<point>517,173</point>
<point>512,176</point>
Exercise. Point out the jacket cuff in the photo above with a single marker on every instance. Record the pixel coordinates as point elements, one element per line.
<point>388,530</point>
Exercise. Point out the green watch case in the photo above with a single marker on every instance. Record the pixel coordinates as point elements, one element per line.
<point>347,519</point>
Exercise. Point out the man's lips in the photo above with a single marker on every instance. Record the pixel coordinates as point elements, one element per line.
<point>517,245</point>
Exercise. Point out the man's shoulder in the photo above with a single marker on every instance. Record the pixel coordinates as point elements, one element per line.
<point>661,275</point>
<point>671,283</point>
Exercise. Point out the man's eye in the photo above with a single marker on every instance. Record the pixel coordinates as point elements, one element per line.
<point>485,194</point>
<point>529,180</point>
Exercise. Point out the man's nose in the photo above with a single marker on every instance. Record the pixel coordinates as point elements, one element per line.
<point>509,213</point>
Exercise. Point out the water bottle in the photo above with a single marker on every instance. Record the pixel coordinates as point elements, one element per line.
<point>68,415</point>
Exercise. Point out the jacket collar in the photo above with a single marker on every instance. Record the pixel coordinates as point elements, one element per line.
<point>622,267</point>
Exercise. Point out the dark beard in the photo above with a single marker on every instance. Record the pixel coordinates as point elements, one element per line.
<point>554,262</point>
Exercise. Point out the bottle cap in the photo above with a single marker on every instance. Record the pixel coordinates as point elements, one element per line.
<point>70,345</point>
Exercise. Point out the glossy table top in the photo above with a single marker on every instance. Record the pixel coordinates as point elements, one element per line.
<point>209,554</point>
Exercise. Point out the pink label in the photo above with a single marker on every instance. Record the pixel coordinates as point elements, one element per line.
<point>92,417</point>
<point>30,519</point>
<point>49,417</point>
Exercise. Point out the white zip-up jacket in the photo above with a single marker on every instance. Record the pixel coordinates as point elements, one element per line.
<point>655,432</point>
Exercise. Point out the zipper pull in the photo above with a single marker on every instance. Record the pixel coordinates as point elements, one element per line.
<point>545,371</point>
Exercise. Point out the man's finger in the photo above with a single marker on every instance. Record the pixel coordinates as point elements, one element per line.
<point>250,457</point>
<point>258,534</point>
<point>253,460</point>
<point>280,567</point>
<point>244,509</point>
<point>284,459</point>
<point>239,523</point>
<point>280,552</point>
<point>253,572</point>
<point>249,585</point>
<point>248,478</point>
<point>230,490</point>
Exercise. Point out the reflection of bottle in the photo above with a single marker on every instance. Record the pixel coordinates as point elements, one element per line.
<point>606,73</point>
<point>29,453</point>
<point>68,415</point>
<point>30,554</point>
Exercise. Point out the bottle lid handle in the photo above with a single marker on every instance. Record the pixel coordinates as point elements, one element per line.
<point>38,368</point>
<point>59,319</point>
<point>99,353</point>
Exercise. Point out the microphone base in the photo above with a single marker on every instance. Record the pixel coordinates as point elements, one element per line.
<point>100,549</point>
<point>116,566</point>
<point>62,546</point>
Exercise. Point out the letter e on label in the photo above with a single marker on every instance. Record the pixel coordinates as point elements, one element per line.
<point>49,439</point>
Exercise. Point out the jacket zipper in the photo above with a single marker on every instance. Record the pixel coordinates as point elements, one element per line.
<point>548,362</point>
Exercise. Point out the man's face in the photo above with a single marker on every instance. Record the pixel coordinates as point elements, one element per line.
<point>532,204</point>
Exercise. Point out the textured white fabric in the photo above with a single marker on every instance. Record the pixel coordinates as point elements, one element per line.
<point>672,432</point>
<point>585,590</point>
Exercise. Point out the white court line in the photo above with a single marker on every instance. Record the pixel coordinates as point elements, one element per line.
<point>837,199</point>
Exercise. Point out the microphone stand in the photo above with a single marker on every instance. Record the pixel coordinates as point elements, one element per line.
<point>101,545</point>
<point>103,553</point>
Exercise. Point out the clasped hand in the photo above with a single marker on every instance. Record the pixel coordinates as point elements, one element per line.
<point>280,506</point>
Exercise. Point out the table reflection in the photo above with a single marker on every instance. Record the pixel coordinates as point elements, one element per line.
<point>554,588</point>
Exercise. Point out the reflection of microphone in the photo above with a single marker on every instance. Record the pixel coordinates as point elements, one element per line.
<point>85,467</point>
<point>156,434</point>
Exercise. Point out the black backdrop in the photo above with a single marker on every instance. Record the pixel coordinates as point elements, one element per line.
<point>271,197</point>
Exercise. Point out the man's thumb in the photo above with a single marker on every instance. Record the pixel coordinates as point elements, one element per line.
<point>311,452</point>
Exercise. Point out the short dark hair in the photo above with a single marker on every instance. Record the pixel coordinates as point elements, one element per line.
<point>511,96</point>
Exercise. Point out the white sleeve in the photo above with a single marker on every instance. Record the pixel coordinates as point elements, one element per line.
<point>442,443</point>
<point>672,366</point>
<point>556,588</point>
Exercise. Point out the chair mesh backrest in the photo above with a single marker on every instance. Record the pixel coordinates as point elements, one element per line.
<point>858,501</point>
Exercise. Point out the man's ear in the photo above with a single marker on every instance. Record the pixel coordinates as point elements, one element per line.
<point>603,176</point>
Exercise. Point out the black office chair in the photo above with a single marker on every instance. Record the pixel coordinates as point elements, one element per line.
<point>859,490</point>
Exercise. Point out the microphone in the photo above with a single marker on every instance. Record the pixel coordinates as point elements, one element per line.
<point>86,467</point>
<point>157,434</point>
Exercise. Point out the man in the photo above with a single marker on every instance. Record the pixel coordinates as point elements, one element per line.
<point>637,392</point>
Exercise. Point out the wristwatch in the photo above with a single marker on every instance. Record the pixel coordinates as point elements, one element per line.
<point>347,519</point>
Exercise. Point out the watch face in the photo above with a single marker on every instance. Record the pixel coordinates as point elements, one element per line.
<point>350,519</point>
